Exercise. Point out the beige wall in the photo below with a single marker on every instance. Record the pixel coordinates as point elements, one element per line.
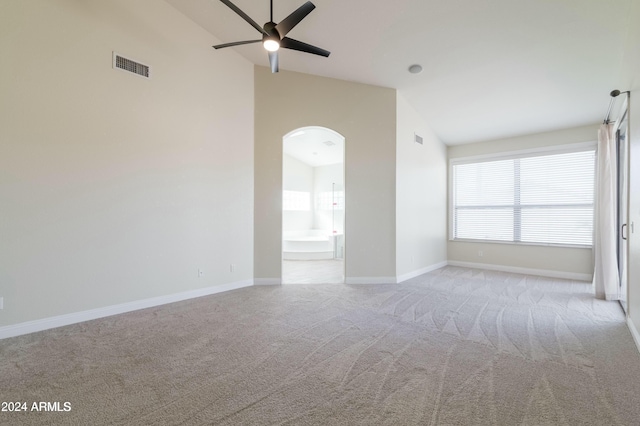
<point>421,195</point>
<point>365,116</point>
<point>297,176</point>
<point>570,262</point>
<point>115,188</point>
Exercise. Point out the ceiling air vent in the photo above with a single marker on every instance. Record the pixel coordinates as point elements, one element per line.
<point>417,139</point>
<point>120,62</point>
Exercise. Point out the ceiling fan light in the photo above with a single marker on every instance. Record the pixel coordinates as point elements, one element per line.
<point>271,45</point>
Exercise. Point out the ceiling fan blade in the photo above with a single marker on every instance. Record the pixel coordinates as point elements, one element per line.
<point>244,16</point>
<point>235,43</point>
<point>273,61</point>
<point>289,43</point>
<point>294,19</point>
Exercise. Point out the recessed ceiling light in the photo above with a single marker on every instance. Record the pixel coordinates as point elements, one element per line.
<point>415,69</point>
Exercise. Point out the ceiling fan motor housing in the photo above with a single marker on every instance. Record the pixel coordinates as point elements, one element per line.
<point>271,33</point>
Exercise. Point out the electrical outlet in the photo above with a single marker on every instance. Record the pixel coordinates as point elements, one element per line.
<point>232,267</point>
<point>1,302</point>
<point>200,273</point>
<point>480,254</point>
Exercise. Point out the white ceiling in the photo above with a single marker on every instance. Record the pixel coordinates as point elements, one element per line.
<point>315,146</point>
<point>492,68</point>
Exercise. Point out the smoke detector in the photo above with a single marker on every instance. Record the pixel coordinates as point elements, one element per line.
<point>415,69</point>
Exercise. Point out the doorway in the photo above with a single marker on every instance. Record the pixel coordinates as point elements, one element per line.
<point>622,146</point>
<point>313,206</point>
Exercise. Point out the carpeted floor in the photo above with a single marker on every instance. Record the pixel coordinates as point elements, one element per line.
<point>452,347</point>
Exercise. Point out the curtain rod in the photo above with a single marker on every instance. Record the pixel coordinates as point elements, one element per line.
<point>614,94</point>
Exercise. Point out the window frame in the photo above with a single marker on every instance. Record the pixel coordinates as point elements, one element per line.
<point>510,155</point>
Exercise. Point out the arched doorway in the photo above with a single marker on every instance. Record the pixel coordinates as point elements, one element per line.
<point>313,208</point>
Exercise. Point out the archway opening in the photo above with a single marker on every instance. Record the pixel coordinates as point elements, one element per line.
<point>313,207</point>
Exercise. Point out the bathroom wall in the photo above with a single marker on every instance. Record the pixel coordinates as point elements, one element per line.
<point>297,176</point>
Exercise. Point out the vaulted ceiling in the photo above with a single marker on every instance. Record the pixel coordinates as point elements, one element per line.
<point>491,68</point>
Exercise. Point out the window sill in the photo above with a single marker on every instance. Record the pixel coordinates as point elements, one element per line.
<point>517,243</point>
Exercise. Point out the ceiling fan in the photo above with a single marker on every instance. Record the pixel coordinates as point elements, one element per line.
<point>274,35</point>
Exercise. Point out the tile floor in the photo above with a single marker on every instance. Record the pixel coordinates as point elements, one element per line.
<point>313,271</point>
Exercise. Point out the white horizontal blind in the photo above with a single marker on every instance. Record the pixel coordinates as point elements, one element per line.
<point>541,199</point>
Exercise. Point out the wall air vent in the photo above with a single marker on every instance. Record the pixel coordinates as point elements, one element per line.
<point>417,139</point>
<point>122,63</point>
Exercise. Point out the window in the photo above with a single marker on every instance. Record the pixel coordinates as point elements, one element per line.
<point>531,198</point>
<point>296,200</point>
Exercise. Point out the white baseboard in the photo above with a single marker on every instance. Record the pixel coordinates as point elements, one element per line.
<point>76,317</point>
<point>267,281</point>
<point>526,271</point>
<point>370,280</point>
<point>634,332</point>
<point>418,272</point>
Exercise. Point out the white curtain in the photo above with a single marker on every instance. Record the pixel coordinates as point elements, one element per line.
<point>605,274</point>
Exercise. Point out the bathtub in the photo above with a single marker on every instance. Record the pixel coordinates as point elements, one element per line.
<point>308,244</point>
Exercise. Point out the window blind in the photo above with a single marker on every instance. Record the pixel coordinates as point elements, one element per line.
<point>540,199</point>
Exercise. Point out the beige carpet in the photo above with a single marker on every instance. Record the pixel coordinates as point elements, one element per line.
<point>452,347</point>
